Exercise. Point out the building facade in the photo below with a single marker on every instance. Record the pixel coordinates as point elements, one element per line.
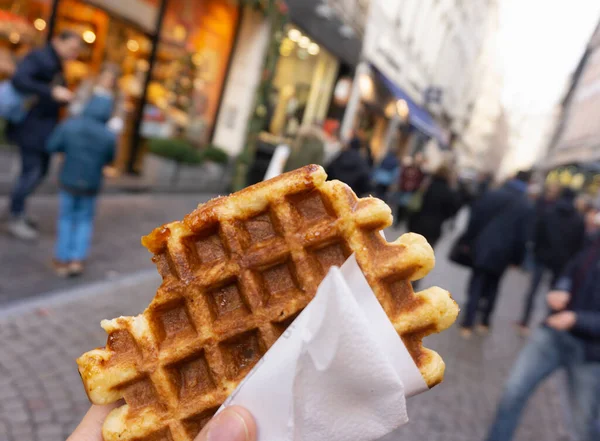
<point>576,139</point>
<point>424,53</point>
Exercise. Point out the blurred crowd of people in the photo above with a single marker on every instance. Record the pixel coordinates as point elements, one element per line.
<point>541,229</point>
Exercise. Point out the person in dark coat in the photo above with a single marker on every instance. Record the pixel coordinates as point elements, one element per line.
<point>39,77</point>
<point>559,234</point>
<point>351,167</point>
<point>386,173</point>
<point>569,339</point>
<point>88,145</point>
<point>497,235</point>
<point>440,203</point>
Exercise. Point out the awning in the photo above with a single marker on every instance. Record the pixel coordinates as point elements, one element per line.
<point>418,116</point>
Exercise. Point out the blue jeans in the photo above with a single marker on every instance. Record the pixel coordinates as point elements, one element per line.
<point>546,351</point>
<point>537,274</point>
<point>75,226</point>
<point>34,166</point>
<point>481,297</point>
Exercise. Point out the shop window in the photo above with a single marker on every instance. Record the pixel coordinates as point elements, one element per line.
<point>188,77</point>
<point>23,26</point>
<point>303,84</point>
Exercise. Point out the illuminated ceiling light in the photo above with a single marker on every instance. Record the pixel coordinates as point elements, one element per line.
<point>14,37</point>
<point>313,48</point>
<point>179,32</point>
<point>39,24</point>
<point>285,51</point>
<point>133,45</point>
<point>304,42</point>
<point>402,109</point>
<point>89,37</point>
<point>197,58</point>
<point>294,35</point>
<point>365,84</point>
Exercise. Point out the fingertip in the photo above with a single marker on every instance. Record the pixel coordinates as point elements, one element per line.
<point>248,419</point>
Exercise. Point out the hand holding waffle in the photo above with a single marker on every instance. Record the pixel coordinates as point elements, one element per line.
<point>233,424</point>
<point>236,272</point>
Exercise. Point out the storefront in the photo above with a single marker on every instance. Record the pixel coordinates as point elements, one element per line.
<point>23,26</point>
<point>303,84</point>
<point>187,73</point>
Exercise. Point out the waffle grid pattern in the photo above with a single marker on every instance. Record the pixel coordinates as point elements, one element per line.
<point>231,285</point>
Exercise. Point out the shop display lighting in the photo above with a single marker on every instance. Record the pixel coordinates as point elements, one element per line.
<point>39,24</point>
<point>88,36</point>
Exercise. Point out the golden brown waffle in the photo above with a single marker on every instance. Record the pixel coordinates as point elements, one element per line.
<point>236,272</point>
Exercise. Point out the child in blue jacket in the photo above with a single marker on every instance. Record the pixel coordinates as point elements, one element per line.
<point>88,145</point>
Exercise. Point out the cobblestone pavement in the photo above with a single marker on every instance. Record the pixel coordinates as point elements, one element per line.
<point>116,249</point>
<point>41,397</point>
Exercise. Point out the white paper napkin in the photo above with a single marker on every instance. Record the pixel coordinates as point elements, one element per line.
<point>340,371</point>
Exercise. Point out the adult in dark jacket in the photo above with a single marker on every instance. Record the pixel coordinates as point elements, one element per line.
<point>351,167</point>
<point>559,234</point>
<point>88,146</point>
<point>569,339</point>
<point>440,203</point>
<point>497,234</point>
<point>39,77</point>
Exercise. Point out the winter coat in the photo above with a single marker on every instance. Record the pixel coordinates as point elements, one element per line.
<point>352,168</point>
<point>388,171</point>
<point>559,235</point>
<point>88,146</point>
<point>499,227</point>
<point>440,203</point>
<point>309,148</point>
<point>35,76</point>
<point>581,280</point>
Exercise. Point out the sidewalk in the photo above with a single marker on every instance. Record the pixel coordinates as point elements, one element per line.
<point>42,399</point>
<point>116,249</point>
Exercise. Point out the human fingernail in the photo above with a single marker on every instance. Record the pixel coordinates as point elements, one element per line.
<point>228,426</point>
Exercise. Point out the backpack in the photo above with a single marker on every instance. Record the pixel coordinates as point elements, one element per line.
<point>13,104</point>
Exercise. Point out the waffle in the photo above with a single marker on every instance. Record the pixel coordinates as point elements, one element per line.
<point>236,272</point>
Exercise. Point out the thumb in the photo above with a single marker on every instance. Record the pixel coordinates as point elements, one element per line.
<point>232,424</point>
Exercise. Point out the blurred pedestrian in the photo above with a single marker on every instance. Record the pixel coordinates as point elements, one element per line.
<point>559,235</point>
<point>496,236</point>
<point>88,145</point>
<point>40,78</point>
<point>308,148</point>
<point>440,202</point>
<point>411,179</point>
<point>386,173</point>
<point>333,146</point>
<point>569,339</point>
<point>351,167</point>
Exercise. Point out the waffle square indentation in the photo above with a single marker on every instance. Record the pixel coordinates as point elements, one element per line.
<point>191,376</point>
<point>194,424</point>
<point>226,300</point>
<point>261,228</point>
<point>140,393</point>
<point>210,246</point>
<point>241,353</point>
<point>122,343</point>
<point>311,206</point>
<point>278,281</point>
<point>334,254</point>
<point>172,320</point>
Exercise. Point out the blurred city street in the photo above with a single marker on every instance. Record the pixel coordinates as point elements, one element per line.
<point>42,398</point>
<point>477,126</point>
<point>122,220</point>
